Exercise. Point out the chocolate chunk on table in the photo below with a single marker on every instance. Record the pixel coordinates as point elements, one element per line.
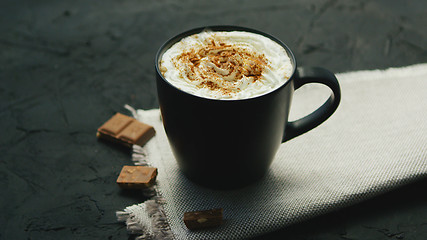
<point>126,130</point>
<point>203,219</point>
<point>137,177</point>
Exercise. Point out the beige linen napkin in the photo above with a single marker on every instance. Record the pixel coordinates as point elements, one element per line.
<point>375,142</point>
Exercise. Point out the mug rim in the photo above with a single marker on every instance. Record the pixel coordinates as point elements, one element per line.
<point>227,28</point>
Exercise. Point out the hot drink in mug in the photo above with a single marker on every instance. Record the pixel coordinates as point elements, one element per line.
<point>225,94</point>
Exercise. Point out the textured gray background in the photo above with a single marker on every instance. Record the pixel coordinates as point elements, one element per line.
<point>67,66</point>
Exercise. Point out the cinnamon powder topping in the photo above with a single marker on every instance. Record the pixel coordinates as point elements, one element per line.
<point>219,66</point>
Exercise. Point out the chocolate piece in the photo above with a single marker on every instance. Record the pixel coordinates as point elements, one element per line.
<point>126,130</point>
<point>115,124</point>
<point>203,219</point>
<point>137,177</point>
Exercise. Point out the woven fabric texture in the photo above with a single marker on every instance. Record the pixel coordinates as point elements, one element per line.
<point>376,141</point>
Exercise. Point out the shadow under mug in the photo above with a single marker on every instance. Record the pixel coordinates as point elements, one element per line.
<point>225,144</point>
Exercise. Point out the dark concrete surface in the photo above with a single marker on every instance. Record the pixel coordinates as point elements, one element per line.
<point>67,66</point>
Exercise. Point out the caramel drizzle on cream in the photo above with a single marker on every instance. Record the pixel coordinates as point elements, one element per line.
<point>219,66</point>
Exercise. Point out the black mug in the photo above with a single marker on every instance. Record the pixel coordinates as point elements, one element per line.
<point>226,144</point>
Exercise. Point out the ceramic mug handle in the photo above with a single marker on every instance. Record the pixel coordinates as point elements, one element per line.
<point>305,75</point>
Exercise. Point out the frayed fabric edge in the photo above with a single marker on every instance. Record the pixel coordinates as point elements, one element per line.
<point>147,219</point>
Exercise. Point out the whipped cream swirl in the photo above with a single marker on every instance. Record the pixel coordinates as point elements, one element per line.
<point>226,65</point>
